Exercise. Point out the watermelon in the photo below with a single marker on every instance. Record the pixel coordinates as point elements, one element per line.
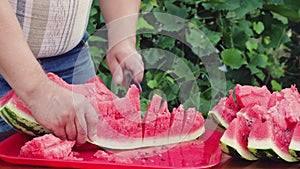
<point>48,147</point>
<point>294,147</point>
<point>267,141</point>
<point>225,111</point>
<point>241,96</point>
<point>121,125</point>
<point>234,140</point>
<point>269,125</point>
<point>252,95</point>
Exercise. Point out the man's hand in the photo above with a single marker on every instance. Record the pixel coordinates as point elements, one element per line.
<point>124,61</point>
<point>69,115</point>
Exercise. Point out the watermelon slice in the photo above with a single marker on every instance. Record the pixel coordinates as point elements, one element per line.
<point>225,111</point>
<point>294,146</point>
<point>120,122</point>
<point>234,140</point>
<point>268,141</point>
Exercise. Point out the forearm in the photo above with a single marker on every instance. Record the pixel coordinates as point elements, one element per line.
<point>17,63</point>
<point>121,19</point>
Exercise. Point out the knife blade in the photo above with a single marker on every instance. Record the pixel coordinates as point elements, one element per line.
<point>130,79</point>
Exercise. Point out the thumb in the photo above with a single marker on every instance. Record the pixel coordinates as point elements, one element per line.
<point>91,117</point>
<point>115,69</point>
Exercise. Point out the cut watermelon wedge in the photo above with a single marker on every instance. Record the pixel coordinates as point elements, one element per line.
<point>120,122</point>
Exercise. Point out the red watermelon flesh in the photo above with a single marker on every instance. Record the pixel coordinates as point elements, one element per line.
<point>225,111</point>
<point>250,95</point>
<point>150,117</point>
<point>255,112</point>
<point>290,104</point>
<point>48,147</point>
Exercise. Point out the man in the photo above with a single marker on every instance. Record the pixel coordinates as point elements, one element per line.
<point>42,36</point>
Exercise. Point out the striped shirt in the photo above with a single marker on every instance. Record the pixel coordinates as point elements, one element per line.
<point>52,27</point>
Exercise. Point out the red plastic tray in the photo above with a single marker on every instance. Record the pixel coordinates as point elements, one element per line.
<point>201,153</point>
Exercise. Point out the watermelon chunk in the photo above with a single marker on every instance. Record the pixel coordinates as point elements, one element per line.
<point>48,147</point>
<point>120,121</point>
<point>251,95</point>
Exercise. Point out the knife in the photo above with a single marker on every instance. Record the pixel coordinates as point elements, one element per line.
<point>129,78</point>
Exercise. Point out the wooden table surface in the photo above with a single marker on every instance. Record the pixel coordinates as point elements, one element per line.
<point>226,163</point>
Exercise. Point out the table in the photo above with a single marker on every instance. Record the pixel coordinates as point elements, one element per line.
<point>226,163</point>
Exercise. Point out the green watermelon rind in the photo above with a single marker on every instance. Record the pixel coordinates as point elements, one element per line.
<point>21,122</point>
<point>217,117</point>
<point>266,149</point>
<point>233,148</point>
<point>294,149</point>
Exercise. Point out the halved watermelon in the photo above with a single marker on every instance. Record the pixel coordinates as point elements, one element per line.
<point>120,122</point>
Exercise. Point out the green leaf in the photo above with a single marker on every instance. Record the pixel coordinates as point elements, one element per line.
<point>247,6</point>
<point>151,56</point>
<point>251,45</point>
<point>175,10</point>
<point>165,42</point>
<point>274,2</point>
<point>257,61</point>
<point>152,84</point>
<point>169,22</point>
<point>143,24</point>
<point>94,38</point>
<point>258,27</point>
<point>201,46</point>
<point>223,5</point>
<point>233,58</point>
<point>276,86</point>
<point>148,5</point>
<point>284,10</point>
<point>276,35</point>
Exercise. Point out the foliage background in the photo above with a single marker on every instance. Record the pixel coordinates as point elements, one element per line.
<point>257,40</point>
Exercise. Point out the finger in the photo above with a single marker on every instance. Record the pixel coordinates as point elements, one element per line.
<point>60,133</point>
<point>91,117</point>
<point>138,69</point>
<point>81,127</point>
<point>134,64</point>
<point>115,69</point>
<point>71,130</point>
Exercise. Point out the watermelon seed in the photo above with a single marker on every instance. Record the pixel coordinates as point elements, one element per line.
<point>163,159</point>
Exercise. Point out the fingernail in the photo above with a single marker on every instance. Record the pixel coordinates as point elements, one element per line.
<point>118,79</point>
<point>94,137</point>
